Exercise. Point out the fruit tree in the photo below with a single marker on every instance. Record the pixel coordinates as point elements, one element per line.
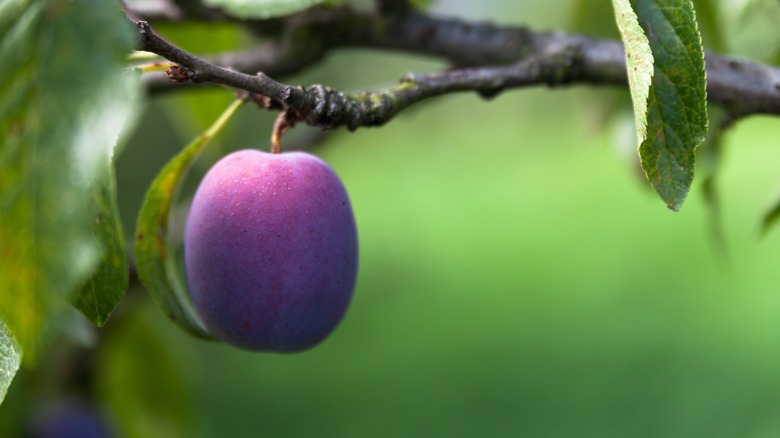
<point>478,218</point>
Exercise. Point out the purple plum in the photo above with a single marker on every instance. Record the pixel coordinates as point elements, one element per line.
<point>270,250</point>
<point>71,420</point>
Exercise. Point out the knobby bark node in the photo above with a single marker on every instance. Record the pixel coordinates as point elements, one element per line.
<point>178,73</point>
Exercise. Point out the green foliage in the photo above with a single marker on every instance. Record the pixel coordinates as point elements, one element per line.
<point>710,160</point>
<point>203,38</point>
<point>668,86</point>
<point>142,381</point>
<point>639,59</point>
<point>262,8</point>
<point>475,221</point>
<point>709,24</point>
<point>10,359</point>
<point>157,267</point>
<point>771,218</point>
<point>63,100</point>
<point>594,19</point>
<point>105,289</point>
<point>421,4</point>
<point>753,25</point>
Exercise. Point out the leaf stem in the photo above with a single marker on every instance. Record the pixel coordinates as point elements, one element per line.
<point>154,66</point>
<point>222,120</point>
<point>141,55</point>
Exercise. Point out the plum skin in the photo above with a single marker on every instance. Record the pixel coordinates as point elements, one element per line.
<point>71,420</point>
<point>270,250</point>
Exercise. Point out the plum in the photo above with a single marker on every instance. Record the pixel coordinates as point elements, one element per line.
<point>71,420</point>
<point>270,250</point>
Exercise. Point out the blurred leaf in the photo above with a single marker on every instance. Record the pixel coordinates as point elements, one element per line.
<point>10,358</point>
<point>63,100</point>
<point>204,38</point>
<point>105,289</point>
<point>667,80</point>
<point>712,157</point>
<point>595,19</point>
<point>421,4</point>
<point>141,381</point>
<point>709,25</point>
<point>156,266</point>
<point>262,8</point>
<point>771,219</point>
<point>754,29</point>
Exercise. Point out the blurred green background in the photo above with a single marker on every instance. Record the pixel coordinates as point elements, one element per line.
<point>517,276</point>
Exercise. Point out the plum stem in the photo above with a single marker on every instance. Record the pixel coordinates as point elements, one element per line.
<point>281,125</point>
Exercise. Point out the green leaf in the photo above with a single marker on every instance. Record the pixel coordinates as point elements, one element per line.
<point>63,100</point>
<point>639,62</point>
<point>105,289</point>
<point>262,8</point>
<point>771,218</point>
<point>156,266</point>
<point>666,75</point>
<point>10,358</point>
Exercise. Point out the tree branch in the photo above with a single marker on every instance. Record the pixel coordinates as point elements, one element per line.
<point>517,56</point>
<point>199,70</point>
<point>275,59</point>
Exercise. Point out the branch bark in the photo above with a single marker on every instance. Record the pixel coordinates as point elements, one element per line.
<point>487,59</point>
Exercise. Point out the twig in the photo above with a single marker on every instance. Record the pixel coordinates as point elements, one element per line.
<point>328,108</point>
<point>204,71</point>
<point>274,59</point>
<point>519,58</point>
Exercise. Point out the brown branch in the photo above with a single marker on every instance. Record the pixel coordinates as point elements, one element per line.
<point>518,57</point>
<point>276,59</point>
<point>204,71</point>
